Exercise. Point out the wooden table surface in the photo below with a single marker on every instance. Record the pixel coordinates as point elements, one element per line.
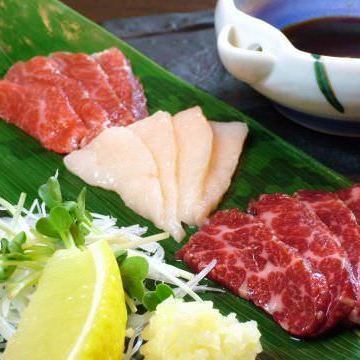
<point>101,10</point>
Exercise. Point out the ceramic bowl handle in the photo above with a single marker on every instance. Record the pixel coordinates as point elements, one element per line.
<point>248,64</point>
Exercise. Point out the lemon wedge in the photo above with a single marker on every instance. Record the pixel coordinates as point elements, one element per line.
<point>77,312</point>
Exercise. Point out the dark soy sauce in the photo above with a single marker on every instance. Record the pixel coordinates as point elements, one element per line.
<point>333,36</point>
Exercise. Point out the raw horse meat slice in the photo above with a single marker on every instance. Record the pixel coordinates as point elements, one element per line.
<point>44,113</point>
<point>43,70</point>
<point>298,226</point>
<point>157,133</point>
<point>84,68</point>
<point>126,86</point>
<point>351,198</point>
<point>118,160</point>
<point>253,264</point>
<point>82,100</point>
<point>194,138</point>
<point>341,221</point>
<point>228,142</point>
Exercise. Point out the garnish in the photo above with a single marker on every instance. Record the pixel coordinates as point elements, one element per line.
<point>30,237</point>
<point>11,253</point>
<point>67,221</point>
<point>134,271</point>
<point>153,298</point>
<point>190,330</point>
<point>57,225</point>
<point>50,193</point>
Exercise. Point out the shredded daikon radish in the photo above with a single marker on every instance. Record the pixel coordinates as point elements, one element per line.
<point>197,278</point>
<point>203,288</point>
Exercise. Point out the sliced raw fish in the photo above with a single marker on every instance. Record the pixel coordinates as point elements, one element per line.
<point>126,86</point>
<point>84,68</point>
<point>118,160</point>
<point>194,138</point>
<point>45,71</point>
<point>157,133</point>
<point>44,113</point>
<point>228,142</point>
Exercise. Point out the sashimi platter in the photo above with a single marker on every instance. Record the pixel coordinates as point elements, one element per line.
<point>142,218</point>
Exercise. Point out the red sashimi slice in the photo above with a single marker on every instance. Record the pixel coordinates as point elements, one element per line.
<point>126,86</point>
<point>44,113</point>
<point>351,198</point>
<point>342,222</point>
<point>84,68</point>
<point>45,71</point>
<point>253,264</point>
<point>298,226</point>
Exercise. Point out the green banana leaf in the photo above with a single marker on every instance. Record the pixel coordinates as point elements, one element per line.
<point>39,27</point>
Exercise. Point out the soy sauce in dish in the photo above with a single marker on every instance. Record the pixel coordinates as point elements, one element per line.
<point>333,36</point>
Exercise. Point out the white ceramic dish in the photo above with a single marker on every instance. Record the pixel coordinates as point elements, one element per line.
<point>320,92</point>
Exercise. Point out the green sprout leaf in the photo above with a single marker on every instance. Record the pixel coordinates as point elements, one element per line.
<point>163,292</point>
<point>70,206</point>
<point>68,221</point>
<point>80,210</point>
<point>45,227</point>
<point>81,200</point>
<point>120,256</point>
<point>58,225</point>
<point>78,235</point>
<point>12,250</point>
<point>153,298</point>
<point>135,267</point>
<point>4,246</point>
<point>133,273</point>
<point>150,301</point>
<point>6,272</point>
<point>16,244</point>
<point>60,219</point>
<point>135,289</point>
<point>50,193</point>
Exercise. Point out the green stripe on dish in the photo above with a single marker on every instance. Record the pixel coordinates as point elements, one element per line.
<point>324,84</point>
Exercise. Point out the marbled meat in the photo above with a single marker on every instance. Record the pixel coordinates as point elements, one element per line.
<point>342,222</point>
<point>255,265</point>
<point>298,226</point>
<point>351,198</point>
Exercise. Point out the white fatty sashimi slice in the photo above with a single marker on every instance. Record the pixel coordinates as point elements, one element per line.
<point>194,138</point>
<point>118,160</point>
<point>157,133</point>
<point>228,144</point>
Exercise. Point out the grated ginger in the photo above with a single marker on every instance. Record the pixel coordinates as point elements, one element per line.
<point>196,331</point>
